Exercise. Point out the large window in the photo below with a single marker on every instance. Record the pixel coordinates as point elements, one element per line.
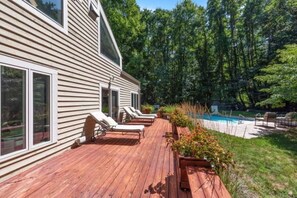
<point>28,112</point>
<point>13,108</point>
<point>107,47</point>
<point>52,8</point>
<point>134,100</point>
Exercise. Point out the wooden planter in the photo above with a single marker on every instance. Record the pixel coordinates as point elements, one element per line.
<point>174,129</point>
<point>183,162</point>
<point>179,131</point>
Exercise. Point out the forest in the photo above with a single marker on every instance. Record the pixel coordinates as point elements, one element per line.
<point>241,53</point>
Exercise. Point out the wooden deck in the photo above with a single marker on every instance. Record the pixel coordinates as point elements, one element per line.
<point>114,166</point>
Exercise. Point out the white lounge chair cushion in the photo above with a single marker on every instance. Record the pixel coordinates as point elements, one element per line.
<point>141,114</point>
<point>144,116</point>
<point>98,115</point>
<point>135,128</point>
<point>134,115</point>
<point>110,122</point>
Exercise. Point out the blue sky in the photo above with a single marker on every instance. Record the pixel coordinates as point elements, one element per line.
<point>164,4</point>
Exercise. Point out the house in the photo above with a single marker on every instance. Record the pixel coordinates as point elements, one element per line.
<point>59,61</point>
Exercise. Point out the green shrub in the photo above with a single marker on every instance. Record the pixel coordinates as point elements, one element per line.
<point>147,108</point>
<point>169,108</point>
<point>179,118</point>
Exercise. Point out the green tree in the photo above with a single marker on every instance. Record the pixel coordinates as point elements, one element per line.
<point>281,76</point>
<point>217,28</point>
<point>199,55</point>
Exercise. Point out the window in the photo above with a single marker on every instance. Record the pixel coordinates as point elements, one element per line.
<point>41,108</point>
<point>134,100</point>
<point>53,12</point>
<point>107,47</point>
<point>52,8</point>
<point>13,108</point>
<point>28,110</point>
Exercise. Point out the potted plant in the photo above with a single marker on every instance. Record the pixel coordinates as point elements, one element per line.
<point>199,148</point>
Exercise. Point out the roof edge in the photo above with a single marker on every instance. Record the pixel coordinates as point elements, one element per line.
<point>130,78</point>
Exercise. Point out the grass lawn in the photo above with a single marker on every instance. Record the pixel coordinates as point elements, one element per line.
<point>266,165</point>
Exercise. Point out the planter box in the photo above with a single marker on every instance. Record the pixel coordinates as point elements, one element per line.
<point>183,162</point>
<point>179,131</point>
<point>174,129</point>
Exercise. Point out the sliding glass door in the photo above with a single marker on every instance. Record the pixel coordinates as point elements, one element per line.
<point>110,102</point>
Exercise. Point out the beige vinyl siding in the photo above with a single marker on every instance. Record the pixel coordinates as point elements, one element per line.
<point>80,70</point>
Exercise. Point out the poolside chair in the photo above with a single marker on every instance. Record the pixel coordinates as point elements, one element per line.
<point>108,124</point>
<point>268,117</point>
<point>286,120</point>
<point>141,114</point>
<point>138,118</point>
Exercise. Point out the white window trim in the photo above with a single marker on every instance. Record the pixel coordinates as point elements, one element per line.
<point>102,14</point>
<point>112,88</point>
<point>30,68</point>
<point>46,18</point>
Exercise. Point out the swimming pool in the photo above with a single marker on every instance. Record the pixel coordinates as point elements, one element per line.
<point>223,119</point>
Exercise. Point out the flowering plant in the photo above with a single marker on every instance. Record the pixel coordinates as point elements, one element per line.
<point>201,144</point>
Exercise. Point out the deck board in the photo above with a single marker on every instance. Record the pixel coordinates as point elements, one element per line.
<point>115,165</point>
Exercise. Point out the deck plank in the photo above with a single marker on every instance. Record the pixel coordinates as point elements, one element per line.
<point>154,148</point>
<point>115,165</point>
<point>148,187</point>
<point>111,185</point>
<point>129,190</point>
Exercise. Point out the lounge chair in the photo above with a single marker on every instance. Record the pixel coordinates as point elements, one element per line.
<point>268,117</point>
<point>138,118</point>
<point>287,120</point>
<point>107,124</point>
<point>141,114</point>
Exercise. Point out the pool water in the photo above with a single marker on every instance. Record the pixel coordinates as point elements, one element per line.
<point>222,119</point>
